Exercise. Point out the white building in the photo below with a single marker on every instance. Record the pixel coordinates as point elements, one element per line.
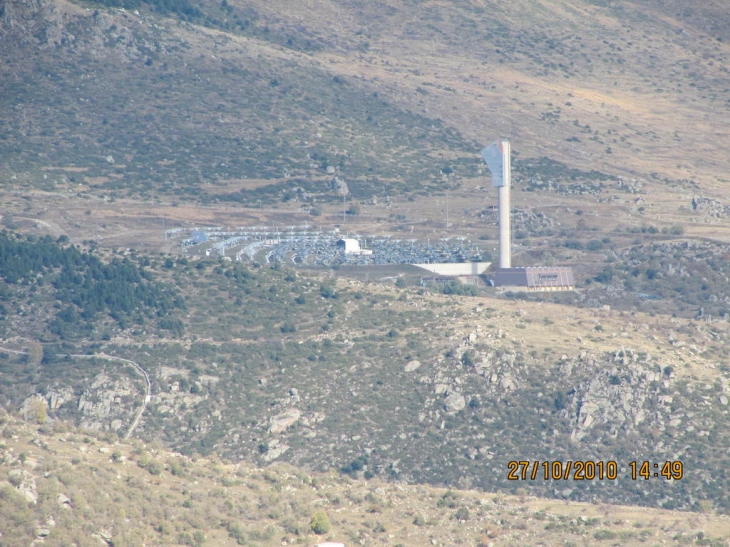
<point>352,247</point>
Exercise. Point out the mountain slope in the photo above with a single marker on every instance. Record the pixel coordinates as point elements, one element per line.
<point>113,120</point>
<point>269,364</point>
<point>391,94</point>
<point>135,107</point>
<point>55,490</point>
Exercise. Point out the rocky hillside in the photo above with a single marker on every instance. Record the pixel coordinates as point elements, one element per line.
<point>274,365</point>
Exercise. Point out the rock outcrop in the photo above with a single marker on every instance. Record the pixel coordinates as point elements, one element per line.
<point>24,482</point>
<point>282,422</point>
<point>619,395</point>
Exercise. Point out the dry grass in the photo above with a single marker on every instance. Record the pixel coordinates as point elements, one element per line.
<point>569,330</point>
<point>273,506</point>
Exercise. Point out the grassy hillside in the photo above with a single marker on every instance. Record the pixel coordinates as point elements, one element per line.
<point>54,484</point>
<point>387,95</point>
<point>196,115</point>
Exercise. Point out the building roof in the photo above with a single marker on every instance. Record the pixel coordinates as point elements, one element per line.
<point>541,278</point>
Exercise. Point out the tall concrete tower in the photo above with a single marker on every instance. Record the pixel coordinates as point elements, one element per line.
<point>497,158</point>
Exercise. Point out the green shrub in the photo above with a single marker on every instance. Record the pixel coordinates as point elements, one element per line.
<point>235,530</point>
<point>155,468</point>
<point>462,513</point>
<point>604,534</point>
<point>175,467</point>
<point>320,523</point>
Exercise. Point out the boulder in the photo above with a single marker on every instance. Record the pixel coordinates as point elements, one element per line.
<point>282,422</point>
<point>63,501</point>
<point>454,402</point>
<point>507,383</point>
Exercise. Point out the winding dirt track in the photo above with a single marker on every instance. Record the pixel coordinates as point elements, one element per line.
<point>142,372</point>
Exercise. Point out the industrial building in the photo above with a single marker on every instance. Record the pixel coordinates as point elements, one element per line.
<point>352,247</point>
<point>536,279</point>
